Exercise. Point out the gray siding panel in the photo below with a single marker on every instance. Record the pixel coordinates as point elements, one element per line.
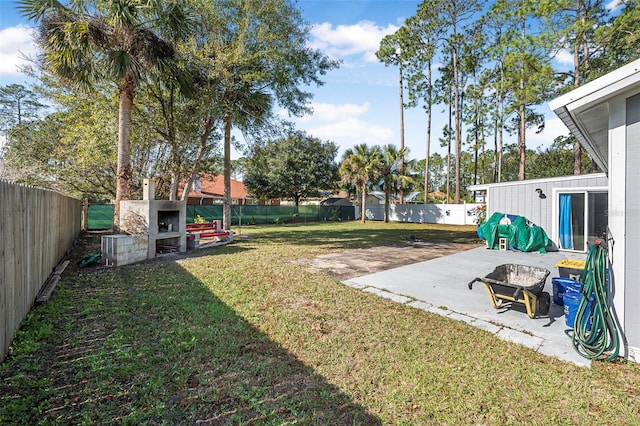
<point>632,217</point>
<point>521,198</point>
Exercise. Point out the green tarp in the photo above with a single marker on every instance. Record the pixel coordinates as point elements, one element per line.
<point>520,233</point>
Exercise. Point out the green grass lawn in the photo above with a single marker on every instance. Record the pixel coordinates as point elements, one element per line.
<point>243,334</point>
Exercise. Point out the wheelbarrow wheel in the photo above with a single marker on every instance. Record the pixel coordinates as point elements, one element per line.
<point>544,302</point>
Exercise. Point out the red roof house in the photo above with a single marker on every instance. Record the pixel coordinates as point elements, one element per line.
<point>209,189</point>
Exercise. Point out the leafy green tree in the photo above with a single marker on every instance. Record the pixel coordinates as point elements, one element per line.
<point>495,76</point>
<point>18,106</point>
<point>254,54</point>
<point>476,108</point>
<point>27,154</point>
<point>361,167</point>
<point>511,161</point>
<point>182,118</point>
<point>618,40</point>
<point>456,13</point>
<point>71,149</point>
<point>117,41</point>
<point>527,68</point>
<point>296,167</point>
<point>558,160</point>
<point>239,168</point>
<point>438,171</point>
<point>421,47</point>
<point>393,51</point>
<point>572,25</point>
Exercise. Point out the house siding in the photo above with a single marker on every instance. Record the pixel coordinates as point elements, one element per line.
<point>632,226</point>
<point>521,198</point>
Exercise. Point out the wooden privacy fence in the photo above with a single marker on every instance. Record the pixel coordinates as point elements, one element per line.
<point>37,227</point>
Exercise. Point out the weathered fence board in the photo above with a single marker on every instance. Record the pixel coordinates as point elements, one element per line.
<point>37,227</point>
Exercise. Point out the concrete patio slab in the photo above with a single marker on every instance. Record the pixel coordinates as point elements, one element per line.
<point>440,286</point>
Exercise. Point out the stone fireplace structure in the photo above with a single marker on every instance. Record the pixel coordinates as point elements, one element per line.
<point>153,226</point>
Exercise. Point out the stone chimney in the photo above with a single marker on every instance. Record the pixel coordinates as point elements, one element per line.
<point>148,189</point>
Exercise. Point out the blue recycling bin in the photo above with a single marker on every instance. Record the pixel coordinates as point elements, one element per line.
<point>561,285</point>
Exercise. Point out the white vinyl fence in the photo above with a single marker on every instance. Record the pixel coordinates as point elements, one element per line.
<point>450,214</point>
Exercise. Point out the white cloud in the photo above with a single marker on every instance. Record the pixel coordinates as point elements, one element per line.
<point>351,131</point>
<point>342,41</point>
<point>15,43</point>
<point>330,112</point>
<point>564,57</point>
<point>553,128</point>
<point>613,5</point>
<point>344,124</point>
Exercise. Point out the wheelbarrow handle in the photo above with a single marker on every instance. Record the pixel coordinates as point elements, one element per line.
<point>518,293</point>
<point>470,285</point>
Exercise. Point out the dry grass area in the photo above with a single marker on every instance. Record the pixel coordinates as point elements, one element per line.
<point>246,334</point>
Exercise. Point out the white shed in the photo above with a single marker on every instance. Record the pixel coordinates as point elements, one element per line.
<point>604,115</point>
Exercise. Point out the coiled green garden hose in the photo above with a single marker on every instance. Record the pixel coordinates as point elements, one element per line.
<point>595,334</point>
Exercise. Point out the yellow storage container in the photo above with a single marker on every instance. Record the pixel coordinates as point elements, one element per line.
<point>571,268</point>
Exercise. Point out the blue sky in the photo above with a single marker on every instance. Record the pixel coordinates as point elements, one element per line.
<point>359,102</point>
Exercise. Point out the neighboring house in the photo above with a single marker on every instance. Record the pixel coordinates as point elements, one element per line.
<point>411,197</point>
<point>209,189</point>
<point>438,197</point>
<point>336,202</point>
<point>604,115</point>
<point>317,201</point>
<point>375,197</point>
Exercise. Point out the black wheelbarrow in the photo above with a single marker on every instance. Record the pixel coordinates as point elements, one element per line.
<point>520,284</point>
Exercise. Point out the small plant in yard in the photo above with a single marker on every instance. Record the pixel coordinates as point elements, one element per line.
<point>481,214</point>
<point>199,219</point>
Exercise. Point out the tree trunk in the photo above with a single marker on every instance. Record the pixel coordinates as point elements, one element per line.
<point>449,151</point>
<point>204,137</point>
<point>401,124</point>
<point>173,186</point>
<point>495,147</point>
<point>577,148</point>
<point>123,176</point>
<point>522,143</point>
<point>476,132</point>
<point>387,201</point>
<point>426,158</point>
<point>501,122</point>
<point>428,153</point>
<point>577,158</point>
<point>458,133</point>
<point>176,163</point>
<point>363,206</point>
<point>226,216</point>
<point>522,131</point>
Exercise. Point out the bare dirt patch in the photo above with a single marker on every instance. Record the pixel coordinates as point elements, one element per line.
<point>355,263</point>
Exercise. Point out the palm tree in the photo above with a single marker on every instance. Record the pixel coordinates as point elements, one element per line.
<point>87,42</point>
<point>245,107</point>
<point>360,166</point>
<point>395,173</point>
